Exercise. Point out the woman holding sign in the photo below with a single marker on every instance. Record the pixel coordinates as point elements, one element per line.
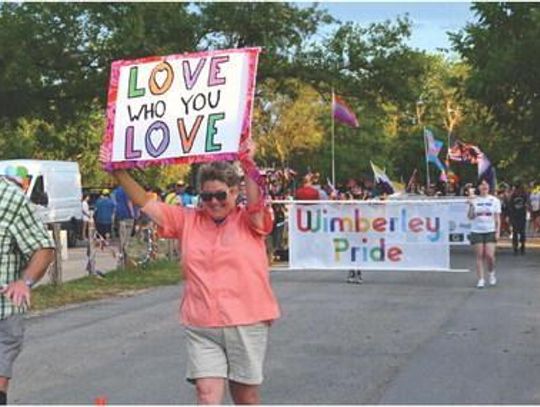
<point>228,303</point>
<point>484,211</point>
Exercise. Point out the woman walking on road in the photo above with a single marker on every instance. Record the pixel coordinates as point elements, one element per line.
<point>484,211</point>
<point>228,303</point>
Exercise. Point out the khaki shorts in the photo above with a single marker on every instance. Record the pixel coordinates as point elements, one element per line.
<point>11,342</point>
<point>235,353</point>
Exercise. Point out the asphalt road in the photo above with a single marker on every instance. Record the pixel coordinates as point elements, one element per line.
<point>400,338</point>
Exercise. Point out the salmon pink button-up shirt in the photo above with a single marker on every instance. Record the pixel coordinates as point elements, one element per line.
<point>225,265</point>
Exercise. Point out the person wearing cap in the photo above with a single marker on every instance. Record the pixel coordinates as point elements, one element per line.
<point>184,194</point>
<point>172,198</point>
<point>104,213</point>
<point>26,251</point>
<point>228,303</point>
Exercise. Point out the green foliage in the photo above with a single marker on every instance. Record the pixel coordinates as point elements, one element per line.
<point>55,59</point>
<point>502,51</point>
<point>117,282</point>
<point>286,126</point>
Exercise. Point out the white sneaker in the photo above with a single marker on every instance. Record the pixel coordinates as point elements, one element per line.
<point>492,279</point>
<point>481,283</point>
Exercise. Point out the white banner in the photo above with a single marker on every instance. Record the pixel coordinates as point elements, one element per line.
<point>459,224</point>
<point>369,236</point>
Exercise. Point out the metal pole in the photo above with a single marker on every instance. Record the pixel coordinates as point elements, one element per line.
<point>427,163</point>
<point>333,143</point>
<point>56,271</point>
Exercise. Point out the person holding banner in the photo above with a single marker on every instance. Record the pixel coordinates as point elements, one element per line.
<point>228,303</point>
<point>484,211</point>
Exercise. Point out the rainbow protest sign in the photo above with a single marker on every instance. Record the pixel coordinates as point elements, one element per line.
<point>370,236</point>
<point>179,108</point>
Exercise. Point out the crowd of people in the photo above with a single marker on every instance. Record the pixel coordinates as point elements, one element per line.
<point>114,215</point>
<point>232,215</point>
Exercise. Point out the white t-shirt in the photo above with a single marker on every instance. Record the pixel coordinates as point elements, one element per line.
<point>485,209</point>
<point>535,201</point>
<point>85,211</point>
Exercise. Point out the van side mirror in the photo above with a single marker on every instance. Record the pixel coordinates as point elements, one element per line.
<point>41,199</point>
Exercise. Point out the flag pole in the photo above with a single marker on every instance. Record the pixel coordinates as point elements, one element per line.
<point>448,155</point>
<point>427,162</point>
<point>333,142</point>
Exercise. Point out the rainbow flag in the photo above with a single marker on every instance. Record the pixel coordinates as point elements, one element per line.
<point>343,113</point>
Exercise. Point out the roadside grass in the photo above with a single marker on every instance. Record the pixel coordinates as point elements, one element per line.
<point>117,282</point>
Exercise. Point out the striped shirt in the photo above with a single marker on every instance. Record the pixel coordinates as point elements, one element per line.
<point>21,234</point>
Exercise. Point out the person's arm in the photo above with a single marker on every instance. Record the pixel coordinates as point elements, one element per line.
<point>136,193</point>
<point>36,245</point>
<point>19,291</point>
<point>255,199</point>
<point>254,203</point>
<point>131,209</point>
<point>169,218</point>
<point>497,217</point>
<point>471,214</point>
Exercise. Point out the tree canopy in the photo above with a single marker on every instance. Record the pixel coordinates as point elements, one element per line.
<point>55,60</point>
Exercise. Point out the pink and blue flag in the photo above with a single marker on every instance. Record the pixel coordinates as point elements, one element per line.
<point>343,113</point>
<point>433,148</point>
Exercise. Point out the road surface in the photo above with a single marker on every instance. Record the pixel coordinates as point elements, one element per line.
<point>401,337</point>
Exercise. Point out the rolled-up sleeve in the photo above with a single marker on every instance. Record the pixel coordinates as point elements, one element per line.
<point>29,232</point>
<point>268,221</point>
<point>169,218</point>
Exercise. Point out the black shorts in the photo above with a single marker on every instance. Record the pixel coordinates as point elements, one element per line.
<point>476,238</point>
<point>104,229</point>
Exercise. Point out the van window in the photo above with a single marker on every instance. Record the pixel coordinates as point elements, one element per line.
<point>39,190</point>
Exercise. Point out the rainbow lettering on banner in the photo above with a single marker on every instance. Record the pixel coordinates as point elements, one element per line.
<point>308,221</point>
<point>363,235</point>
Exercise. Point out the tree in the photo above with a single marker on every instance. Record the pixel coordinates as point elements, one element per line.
<point>287,126</point>
<point>55,57</point>
<point>282,29</point>
<point>505,76</point>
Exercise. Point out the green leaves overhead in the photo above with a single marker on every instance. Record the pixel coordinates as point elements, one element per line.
<point>55,60</point>
<point>503,51</point>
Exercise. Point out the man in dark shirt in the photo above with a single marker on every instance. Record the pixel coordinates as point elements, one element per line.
<point>517,211</point>
<point>103,214</point>
<point>124,214</point>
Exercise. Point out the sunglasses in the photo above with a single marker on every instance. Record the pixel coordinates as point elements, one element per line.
<point>207,196</point>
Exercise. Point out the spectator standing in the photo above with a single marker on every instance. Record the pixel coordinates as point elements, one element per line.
<point>172,197</point>
<point>26,250</point>
<point>104,213</point>
<point>517,212</point>
<point>125,215</point>
<point>307,192</point>
<point>86,215</point>
<point>534,200</point>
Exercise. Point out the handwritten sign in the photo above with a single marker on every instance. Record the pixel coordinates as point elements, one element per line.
<point>180,108</point>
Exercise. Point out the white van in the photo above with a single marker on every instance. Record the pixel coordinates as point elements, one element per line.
<point>55,189</point>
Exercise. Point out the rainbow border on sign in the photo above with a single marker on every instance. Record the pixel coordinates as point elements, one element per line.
<point>253,57</point>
